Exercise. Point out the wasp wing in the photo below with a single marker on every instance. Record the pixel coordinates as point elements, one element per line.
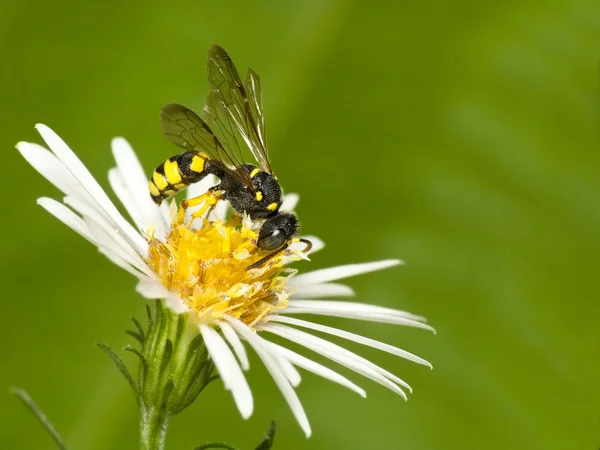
<point>234,108</point>
<point>182,127</point>
<point>254,91</point>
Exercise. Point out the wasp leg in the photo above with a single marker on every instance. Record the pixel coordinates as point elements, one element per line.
<point>209,199</point>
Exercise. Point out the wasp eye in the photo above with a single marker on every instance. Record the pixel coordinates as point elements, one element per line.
<point>272,241</point>
<point>277,230</point>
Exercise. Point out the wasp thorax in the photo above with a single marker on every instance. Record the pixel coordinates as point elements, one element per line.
<point>259,200</point>
<point>208,270</point>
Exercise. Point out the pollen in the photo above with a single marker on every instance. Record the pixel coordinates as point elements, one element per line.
<point>208,268</point>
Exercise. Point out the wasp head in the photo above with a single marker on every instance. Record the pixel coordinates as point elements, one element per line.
<point>277,230</point>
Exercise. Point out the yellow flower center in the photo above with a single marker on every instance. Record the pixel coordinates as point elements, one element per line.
<point>208,269</point>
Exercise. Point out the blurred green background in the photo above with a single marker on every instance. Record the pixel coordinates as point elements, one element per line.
<point>459,136</point>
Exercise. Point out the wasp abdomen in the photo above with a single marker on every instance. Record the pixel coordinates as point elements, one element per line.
<point>179,171</point>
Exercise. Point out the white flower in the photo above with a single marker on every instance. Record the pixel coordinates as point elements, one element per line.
<point>230,303</point>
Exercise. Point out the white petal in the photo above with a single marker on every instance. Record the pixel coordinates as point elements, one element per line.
<point>290,372</point>
<point>66,216</point>
<point>275,370</point>
<point>151,289</point>
<point>229,370</point>
<point>378,318</point>
<point>340,355</point>
<point>322,290</point>
<point>175,304</point>
<point>116,259</point>
<point>105,233</point>
<point>220,212</point>
<point>165,213</point>
<point>118,185</point>
<point>147,218</point>
<point>352,337</point>
<point>289,202</point>
<point>201,187</point>
<point>89,184</point>
<point>56,172</point>
<point>317,369</point>
<point>336,273</point>
<point>50,167</point>
<point>110,241</point>
<point>79,225</point>
<point>352,308</point>
<point>236,344</point>
<point>135,180</point>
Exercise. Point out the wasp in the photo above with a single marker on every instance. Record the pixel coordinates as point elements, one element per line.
<point>232,120</point>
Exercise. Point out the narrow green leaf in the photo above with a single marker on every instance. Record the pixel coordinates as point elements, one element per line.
<point>268,439</point>
<point>139,327</point>
<point>158,312</point>
<point>39,414</point>
<point>134,334</point>
<point>121,366</point>
<point>196,344</point>
<point>150,317</point>
<point>135,351</point>
<point>196,387</point>
<point>266,443</point>
<point>180,327</point>
<point>167,353</point>
<point>211,379</point>
<point>167,389</point>
<point>215,445</point>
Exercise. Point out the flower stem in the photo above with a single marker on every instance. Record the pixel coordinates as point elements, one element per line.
<point>153,428</point>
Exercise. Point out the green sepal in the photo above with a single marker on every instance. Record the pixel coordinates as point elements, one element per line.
<point>173,368</point>
<point>177,365</point>
<point>138,327</point>
<point>166,355</point>
<point>122,368</point>
<point>138,337</point>
<point>135,351</point>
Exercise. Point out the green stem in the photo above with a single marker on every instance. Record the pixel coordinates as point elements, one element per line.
<point>153,428</point>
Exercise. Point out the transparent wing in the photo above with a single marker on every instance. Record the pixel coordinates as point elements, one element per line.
<point>254,90</point>
<point>236,110</point>
<point>182,127</point>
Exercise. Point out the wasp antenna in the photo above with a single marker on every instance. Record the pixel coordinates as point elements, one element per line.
<point>308,244</point>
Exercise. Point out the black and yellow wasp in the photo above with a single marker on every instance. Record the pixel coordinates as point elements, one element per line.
<point>212,144</point>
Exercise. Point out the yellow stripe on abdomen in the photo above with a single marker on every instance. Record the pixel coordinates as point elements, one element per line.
<point>153,189</point>
<point>197,164</point>
<point>172,172</point>
<point>159,180</point>
<point>178,172</point>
